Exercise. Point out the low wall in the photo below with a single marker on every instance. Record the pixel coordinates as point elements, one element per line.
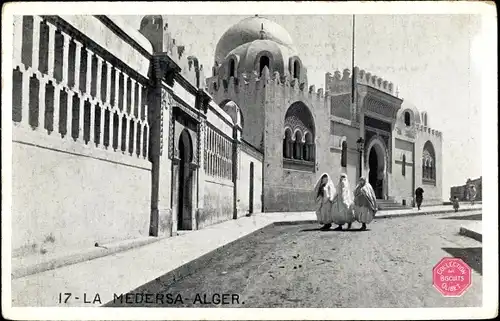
<point>245,161</point>
<point>70,198</point>
<point>282,199</point>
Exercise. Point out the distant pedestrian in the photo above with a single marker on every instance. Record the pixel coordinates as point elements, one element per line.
<point>472,194</point>
<point>455,203</point>
<point>324,192</point>
<point>365,203</point>
<point>419,197</point>
<point>343,202</point>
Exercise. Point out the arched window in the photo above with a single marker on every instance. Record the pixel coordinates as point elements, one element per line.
<point>429,164</point>
<point>404,166</point>
<point>343,158</point>
<point>296,69</point>
<point>299,138</point>
<point>407,118</point>
<point>264,61</point>
<point>231,68</point>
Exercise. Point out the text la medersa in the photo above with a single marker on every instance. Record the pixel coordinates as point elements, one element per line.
<point>174,299</point>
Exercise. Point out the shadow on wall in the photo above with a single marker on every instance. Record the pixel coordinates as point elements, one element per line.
<point>473,256</point>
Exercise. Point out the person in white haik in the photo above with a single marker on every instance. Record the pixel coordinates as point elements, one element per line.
<point>343,203</point>
<point>324,191</point>
<point>365,203</point>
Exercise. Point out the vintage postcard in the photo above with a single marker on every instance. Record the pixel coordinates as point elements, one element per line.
<point>249,161</point>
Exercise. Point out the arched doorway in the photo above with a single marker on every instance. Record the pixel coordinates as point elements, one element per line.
<point>376,168</point>
<point>250,201</point>
<point>184,193</point>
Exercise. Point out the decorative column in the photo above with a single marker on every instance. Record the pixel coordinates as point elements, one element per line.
<point>99,79</point>
<point>18,40</point>
<point>109,70</point>
<point>117,109</point>
<point>65,68</point>
<point>135,123</point>
<point>78,62</point>
<point>126,113</point>
<point>25,100</point>
<point>35,54</point>
<point>57,102</point>
<point>88,78</point>
<point>51,50</point>
<point>41,103</point>
<point>139,101</point>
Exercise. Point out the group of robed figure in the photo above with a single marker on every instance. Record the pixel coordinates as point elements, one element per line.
<point>340,205</point>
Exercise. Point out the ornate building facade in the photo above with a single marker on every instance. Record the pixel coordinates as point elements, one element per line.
<point>118,135</point>
<point>302,132</point>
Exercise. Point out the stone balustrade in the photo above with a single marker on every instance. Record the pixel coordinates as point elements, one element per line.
<point>65,85</point>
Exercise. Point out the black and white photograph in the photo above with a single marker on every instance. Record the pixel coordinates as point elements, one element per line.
<point>195,160</point>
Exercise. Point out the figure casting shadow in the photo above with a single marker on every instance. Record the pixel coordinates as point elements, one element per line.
<point>333,230</point>
<point>473,256</point>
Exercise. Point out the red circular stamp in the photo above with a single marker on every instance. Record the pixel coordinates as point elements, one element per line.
<point>451,276</point>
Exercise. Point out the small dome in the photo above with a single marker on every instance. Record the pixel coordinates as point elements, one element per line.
<point>248,30</point>
<point>407,106</point>
<point>248,55</point>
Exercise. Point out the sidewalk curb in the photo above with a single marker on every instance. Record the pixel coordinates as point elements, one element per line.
<point>423,212</point>
<point>81,256</point>
<point>95,253</point>
<point>472,234</point>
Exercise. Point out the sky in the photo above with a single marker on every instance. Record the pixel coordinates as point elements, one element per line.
<point>428,57</point>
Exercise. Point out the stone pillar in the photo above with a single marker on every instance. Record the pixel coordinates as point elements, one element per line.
<point>65,69</point>
<point>51,50</point>
<point>235,166</point>
<point>159,101</point>
<point>202,131</point>
<point>78,58</point>
<point>36,43</point>
<point>18,39</point>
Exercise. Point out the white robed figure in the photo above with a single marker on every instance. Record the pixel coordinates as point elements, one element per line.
<point>365,203</point>
<point>343,204</point>
<point>324,191</point>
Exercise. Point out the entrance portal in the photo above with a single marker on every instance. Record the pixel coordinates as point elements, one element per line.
<point>184,202</point>
<point>373,176</point>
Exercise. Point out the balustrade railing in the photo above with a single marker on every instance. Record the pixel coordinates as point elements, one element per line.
<point>64,86</point>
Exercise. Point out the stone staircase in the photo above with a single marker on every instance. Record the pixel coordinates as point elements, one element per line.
<point>390,204</point>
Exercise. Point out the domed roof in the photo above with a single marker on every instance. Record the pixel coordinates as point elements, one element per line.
<point>408,106</point>
<point>248,30</point>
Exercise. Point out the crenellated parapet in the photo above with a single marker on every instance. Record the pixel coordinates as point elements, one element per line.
<point>254,83</point>
<point>156,30</point>
<point>428,130</point>
<point>341,82</point>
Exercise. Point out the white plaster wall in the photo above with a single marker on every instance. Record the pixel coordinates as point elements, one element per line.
<point>244,184</point>
<point>78,200</point>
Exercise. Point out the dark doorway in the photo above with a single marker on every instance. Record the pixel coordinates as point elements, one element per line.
<point>184,189</point>
<point>250,202</point>
<point>372,177</point>
<point>263,62</point>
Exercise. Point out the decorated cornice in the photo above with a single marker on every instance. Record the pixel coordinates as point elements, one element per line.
<point>165,68</point>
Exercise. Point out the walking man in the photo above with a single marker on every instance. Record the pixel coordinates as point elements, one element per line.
<point>419,197</point>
